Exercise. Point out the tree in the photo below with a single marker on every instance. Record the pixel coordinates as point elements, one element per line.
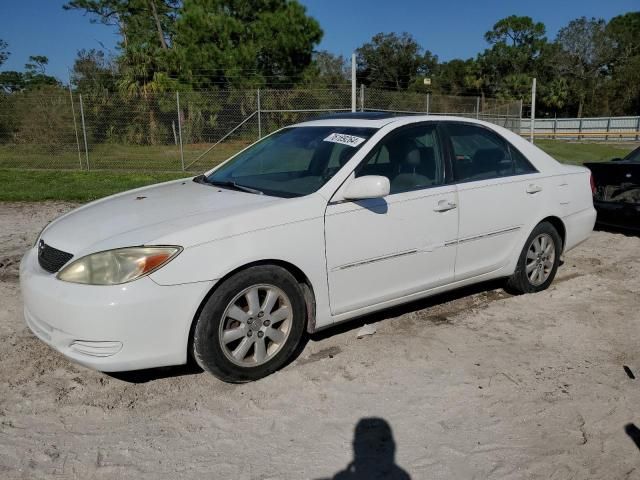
<point>623,32</point>
<point>516,46</point>
<point>516,32</point>
<point>458,77</point>
<point>93,71</point>
<point>207,43</point>
<point>33,77</point>
<point>393,61</point>
<point>584,53</point>
<point>239,43</point>
<point>146,28</point>
<point>12,81</point>
<point>4,53</point>
<point>326,70</point>
<point>137,21</point>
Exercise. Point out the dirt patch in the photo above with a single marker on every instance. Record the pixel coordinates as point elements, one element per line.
<point>472,384</point>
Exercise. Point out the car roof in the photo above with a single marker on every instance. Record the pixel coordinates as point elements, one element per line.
<point>358,116</point>
<point>378,119</point>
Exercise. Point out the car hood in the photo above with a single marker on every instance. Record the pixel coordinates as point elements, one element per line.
<point>161,214</point>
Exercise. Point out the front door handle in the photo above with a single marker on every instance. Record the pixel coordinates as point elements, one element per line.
<point>444,205</point>
<point>532,188</point>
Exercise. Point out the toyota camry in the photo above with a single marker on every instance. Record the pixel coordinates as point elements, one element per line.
<point>313,225</point>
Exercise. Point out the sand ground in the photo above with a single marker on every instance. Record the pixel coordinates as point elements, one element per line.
<point>474,384</point>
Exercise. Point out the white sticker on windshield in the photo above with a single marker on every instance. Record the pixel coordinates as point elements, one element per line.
<point>350,140</point>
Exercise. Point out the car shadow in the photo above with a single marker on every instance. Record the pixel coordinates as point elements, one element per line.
<point>628,232</point>
<point>415,306</point>
<point>151,374</point>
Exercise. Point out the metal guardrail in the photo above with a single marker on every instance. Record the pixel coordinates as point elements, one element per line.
<point>590,128</point>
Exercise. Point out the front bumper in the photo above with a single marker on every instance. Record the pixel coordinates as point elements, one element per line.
<point>110,328</point>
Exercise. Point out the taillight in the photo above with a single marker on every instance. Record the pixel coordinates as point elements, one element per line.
<point>593,184</point>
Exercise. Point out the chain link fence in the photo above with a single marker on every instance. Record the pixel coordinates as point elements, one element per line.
<point>189,131</point>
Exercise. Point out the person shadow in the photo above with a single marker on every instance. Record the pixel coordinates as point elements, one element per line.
<point>374,452</point>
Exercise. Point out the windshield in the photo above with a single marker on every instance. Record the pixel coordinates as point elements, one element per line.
<point>292,162</point>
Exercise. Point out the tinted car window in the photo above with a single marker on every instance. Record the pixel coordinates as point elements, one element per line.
<point>293,162</point>
<point>634,156</point>
<point>479,154</point>
<point>410,159</point>
<point>520,164</point>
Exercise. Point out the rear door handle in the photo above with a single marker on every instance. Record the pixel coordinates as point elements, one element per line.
<point>532,188</point>
<point>444,205</point>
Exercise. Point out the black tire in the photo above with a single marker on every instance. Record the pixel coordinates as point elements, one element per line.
<point>207,347</point>
<point>520,281</point>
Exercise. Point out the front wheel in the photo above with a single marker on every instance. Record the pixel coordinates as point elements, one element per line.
<point>251,325</point>
<point>538,261</point>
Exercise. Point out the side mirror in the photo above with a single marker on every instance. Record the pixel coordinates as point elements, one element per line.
<point>369,186</point>
<point>617,159</point>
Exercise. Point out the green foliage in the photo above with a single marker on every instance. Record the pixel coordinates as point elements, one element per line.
<point>624,65</point>
<point>32,78</point>
<point>204,44</point>
<point>584,52</point>
<point>326,71</point>
<point>516,32</point>
<point>238,43</point>
<point>12,81</point>
<point>93,71</point>
<point>39,115</point>
<point>393,61</point>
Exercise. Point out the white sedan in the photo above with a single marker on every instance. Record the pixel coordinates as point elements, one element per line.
<point>313,225</point>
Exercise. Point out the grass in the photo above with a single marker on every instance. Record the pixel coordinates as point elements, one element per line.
<point>20,181</point>
<point>118,157</point>
<point>38,185</point>
<point>577,153</point>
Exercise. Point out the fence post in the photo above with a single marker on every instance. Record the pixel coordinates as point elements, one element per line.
<point>362,97</point>
<point>533,109</point>
<point>75,127</point>
<point>180,129</point>
<point>606,137</point>
<point>637,128</point>
<point>520,119</point>
<point>555,127</point>
<point>353,82</point>
<point>84,132</point>
<point>428,102</point>
<point>259,115</point>
<point>580,129</point>
<point>477,107</point>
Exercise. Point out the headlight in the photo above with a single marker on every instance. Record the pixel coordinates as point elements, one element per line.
<point>114,267</point>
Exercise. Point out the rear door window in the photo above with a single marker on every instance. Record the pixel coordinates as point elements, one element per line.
<point>480,154</point>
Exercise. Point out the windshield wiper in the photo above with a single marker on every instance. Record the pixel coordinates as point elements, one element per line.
<point>230,184</point>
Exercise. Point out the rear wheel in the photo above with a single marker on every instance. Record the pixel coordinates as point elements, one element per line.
<point>538,260</point>
<point>251,325</point>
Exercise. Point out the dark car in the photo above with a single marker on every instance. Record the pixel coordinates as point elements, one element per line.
<point>616,191</point>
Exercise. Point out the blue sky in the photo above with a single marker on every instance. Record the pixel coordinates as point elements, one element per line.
<point>449,29</point>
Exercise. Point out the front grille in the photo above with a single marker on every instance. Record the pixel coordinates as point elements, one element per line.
<point>52,259</point>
